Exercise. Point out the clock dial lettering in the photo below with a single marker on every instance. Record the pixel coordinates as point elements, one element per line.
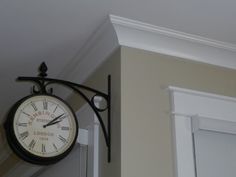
<point>62,139</point>
<point>55,147</point>
<point>65,128</point>
<point>22,124</point>
<point>24,135</point>
<point>26,114</point>
<point>55,109</point>
<point>43,148</point>
<point>34,106</point>
<point>32,144</point>
<point>45,105</point>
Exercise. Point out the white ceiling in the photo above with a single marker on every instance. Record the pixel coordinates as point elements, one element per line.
<point>55,30</point>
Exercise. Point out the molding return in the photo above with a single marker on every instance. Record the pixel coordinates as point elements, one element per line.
<point>118,31</point>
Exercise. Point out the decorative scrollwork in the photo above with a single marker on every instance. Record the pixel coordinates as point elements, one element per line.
<point>41,87</point>
<point>99,109</point>
<point>41,84</point>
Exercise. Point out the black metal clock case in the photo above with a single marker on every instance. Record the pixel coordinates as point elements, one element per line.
<point>22,152</point>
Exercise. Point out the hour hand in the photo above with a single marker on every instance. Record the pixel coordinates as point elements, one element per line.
<point>53,121</point>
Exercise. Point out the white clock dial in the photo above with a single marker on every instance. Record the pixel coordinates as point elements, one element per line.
<point>44,126</point>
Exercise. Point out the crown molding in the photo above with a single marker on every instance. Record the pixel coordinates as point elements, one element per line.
<point>148,37</point>
<point>118,31</point>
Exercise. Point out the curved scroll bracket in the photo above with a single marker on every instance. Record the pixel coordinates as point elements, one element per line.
<point>43,86</point>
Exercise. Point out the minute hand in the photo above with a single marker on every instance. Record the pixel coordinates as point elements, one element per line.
<point>53,121</point>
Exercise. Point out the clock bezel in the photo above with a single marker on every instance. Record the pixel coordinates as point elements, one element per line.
<point>20,150</point>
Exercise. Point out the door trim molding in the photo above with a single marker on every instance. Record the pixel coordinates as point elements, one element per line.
<point>193,111</point>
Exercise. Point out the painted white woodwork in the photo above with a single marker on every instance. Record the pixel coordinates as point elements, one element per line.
<point>88,120</point>
<point>183,147</point>
<point>118,31</point>
<point>211,124</point>
<point>193,111</point>
<point>82,138</point>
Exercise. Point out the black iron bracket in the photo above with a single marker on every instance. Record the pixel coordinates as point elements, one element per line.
<point>43,86</point>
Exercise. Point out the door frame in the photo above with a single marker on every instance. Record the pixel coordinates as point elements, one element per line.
<point>193,111</point>
<point>88,121</point>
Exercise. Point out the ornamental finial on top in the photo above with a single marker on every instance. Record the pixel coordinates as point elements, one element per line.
<point>43,70</point>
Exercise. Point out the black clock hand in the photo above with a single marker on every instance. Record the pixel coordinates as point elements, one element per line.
<point>52,123</point>
<point>53,120</point>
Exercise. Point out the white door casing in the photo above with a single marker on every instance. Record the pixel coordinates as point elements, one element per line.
<point>89,121</point>
<point>193,111</point>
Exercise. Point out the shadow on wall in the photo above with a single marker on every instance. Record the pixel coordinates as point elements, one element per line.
<point>68,167</point>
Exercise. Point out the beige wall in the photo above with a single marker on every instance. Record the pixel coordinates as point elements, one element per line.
<point>141,126</point>
<point>146,141</point>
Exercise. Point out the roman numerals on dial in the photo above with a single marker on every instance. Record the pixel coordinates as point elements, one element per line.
<point>24,135</point>
<point>34,106</point>
<point>55,109</point>
<point>26,114</point>
<point>32,144</point>
<point>55,147</point>
<point>62,139</point>
<point>45,126</point>
<point>22,124</point>
<point>65,128</point>
<point>43,148</point>
<point>45,105</point>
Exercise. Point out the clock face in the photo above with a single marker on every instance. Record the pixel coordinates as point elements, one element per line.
<point>44,126</point>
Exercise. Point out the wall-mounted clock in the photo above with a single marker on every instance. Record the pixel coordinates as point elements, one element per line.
<point>41,129</point>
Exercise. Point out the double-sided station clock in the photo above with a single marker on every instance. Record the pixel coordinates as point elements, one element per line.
<point>41,129</point>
